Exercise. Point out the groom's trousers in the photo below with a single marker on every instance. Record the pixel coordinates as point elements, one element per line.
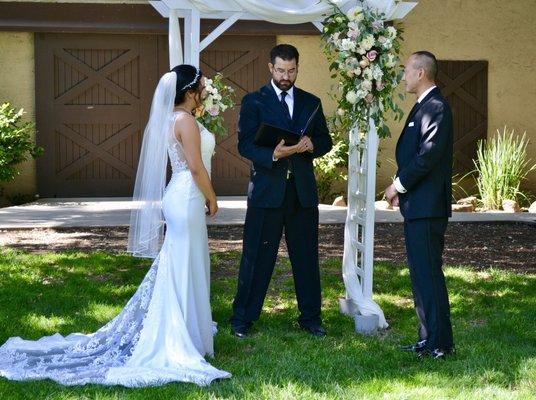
<point>425,240</point>
<point>263,229</point>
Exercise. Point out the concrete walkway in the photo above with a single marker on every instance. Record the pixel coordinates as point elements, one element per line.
<point>102,212</point>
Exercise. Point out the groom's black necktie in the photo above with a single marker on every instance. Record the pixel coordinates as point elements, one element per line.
<point>285,105</point>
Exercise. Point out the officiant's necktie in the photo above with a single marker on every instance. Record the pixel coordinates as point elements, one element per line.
<point>285,105</point>
<point>290,168</point>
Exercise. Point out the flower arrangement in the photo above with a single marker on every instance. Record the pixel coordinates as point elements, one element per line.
<point>364,54</point>
<point>219,98</point>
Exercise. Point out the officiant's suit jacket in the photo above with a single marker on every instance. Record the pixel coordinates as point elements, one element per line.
<point>268,178</point>
<point>424,159</point>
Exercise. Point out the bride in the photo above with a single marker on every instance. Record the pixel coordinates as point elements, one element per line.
<point>166,328</point>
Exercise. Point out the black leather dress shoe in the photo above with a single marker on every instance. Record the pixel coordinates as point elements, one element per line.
<point>317,330</point>
<point>418,347</point>
<point>239,332</point>
<point>436,354</point>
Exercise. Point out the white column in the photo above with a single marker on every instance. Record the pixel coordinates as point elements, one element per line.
<point>192,28</point>
<point>371,146</point>
<point>174,38</point>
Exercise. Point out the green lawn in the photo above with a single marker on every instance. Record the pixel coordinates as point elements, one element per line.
<point>493,314</point>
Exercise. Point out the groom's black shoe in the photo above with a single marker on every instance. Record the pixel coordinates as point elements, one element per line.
<point>239,332</point>
<point>436,354</point>
<point>418,347</point>
<point>315,330</point>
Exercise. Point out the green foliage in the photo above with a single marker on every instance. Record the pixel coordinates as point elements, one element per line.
<point>501,166</point>
<point>331,169</point>
<point>65,292</point>
<point>16,143</point>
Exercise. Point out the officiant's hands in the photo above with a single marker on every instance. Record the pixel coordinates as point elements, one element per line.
<point>281,150</point>
<point>305,144</point>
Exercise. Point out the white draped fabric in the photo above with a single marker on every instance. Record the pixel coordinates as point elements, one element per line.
<point>296,11</point>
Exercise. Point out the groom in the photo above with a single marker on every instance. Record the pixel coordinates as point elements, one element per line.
<point>423,189</point>
<point>282,194</point>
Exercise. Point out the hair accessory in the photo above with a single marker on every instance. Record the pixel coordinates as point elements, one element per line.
<point>192,82</point>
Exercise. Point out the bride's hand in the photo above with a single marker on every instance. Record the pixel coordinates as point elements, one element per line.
<point>212,205</point>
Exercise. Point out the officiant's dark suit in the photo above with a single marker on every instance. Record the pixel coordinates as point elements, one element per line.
<point>424,157</point>
<point>282,194</point>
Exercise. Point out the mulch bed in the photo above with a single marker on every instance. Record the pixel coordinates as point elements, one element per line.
<point>482,245</point>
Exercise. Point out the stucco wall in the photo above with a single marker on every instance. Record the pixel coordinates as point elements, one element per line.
<point>17,85</point>
<point>501,32</point>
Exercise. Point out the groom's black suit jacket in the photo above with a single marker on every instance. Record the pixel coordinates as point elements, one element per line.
<point>268,178</point>
<point>424,159</point>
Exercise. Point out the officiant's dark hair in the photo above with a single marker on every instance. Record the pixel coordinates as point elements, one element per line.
<point>188,78</point>
<point>428,62</point>
<point>285,52</point>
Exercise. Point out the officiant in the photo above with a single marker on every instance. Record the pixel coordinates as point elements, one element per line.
<point>282,194</point>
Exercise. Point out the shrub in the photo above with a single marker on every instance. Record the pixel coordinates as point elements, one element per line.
<point>16,143</point>
<point>501,166</point>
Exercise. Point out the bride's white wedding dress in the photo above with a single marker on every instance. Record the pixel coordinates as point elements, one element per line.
<point>164,330</point>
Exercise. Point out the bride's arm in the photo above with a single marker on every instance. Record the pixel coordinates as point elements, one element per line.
<point>187,131</point>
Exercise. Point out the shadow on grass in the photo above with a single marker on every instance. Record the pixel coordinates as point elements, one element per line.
<point>491,314</point>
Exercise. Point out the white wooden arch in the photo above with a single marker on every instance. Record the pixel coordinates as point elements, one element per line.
<point>359,229</point>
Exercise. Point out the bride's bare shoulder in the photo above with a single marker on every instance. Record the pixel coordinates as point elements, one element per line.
<point>185,125</point>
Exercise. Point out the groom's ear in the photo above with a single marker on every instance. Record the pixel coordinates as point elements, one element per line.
<point>270,66</point>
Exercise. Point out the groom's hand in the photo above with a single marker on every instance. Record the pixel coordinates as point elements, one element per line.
<point>284,151</point>
<point>391,193</point>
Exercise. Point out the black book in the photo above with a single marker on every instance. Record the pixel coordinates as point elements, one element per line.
<point>270,135</point>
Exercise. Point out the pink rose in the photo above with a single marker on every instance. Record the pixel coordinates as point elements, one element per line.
<point>369,97</point>
<point>214,111</point>
<point>372,54</point>
<point>380,86</point>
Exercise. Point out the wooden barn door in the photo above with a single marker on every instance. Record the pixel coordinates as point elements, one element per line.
<point>243,61</point>
<point>93,98</point>
<point>465,85</point>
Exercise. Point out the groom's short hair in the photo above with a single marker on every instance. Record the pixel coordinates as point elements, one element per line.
<point>428,62</point>
<point>285,52</point>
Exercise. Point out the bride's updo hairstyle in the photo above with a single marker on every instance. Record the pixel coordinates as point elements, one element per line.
<point>188,78</point>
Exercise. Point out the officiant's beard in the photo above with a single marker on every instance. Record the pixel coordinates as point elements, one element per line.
<point>284,84</point>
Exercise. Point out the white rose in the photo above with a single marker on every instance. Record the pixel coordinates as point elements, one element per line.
<point>217,97</point>
<point>335,37</point>
<point>351,96</point>
<point>357,71</point>
<point>341,112</point>
<point>387,44</point>
<point>355,14</point>
<point>208,82</point>
<point>353,25</point>
<point>367,42</point>
<point>391,32</point>
<point>391,62</point>
<point>361,94</point>
<point>348,45</point>
<point>377,72</point>
<point>366,85</point>
<point>367,74</point>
